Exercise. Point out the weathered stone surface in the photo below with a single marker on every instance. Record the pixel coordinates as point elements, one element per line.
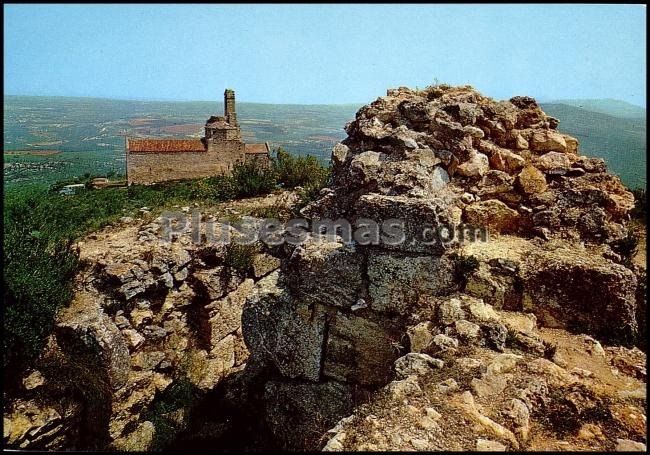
<point>283,333</point>
<point>33,380</point>
<point>555,163</point>
<point>365,167</point>
<point>226,313</point>
<point>492,285</point>
<point>421,336</point>
<point>450,311</point>
<point>626,445</point>
<point>476,166</point>
<point>325,272</point>
<point>495,182</point>
<point>298,413</point>
<point>417,364</point>
<point>84,326</point>
<point>547,141</point>
<point>138,440</point>
<point>399,282</point>
<point>531,180</point>
<point>34,425</point>
<point>587,292</point>
<point>411,216</point>
<point>358,350</point>
<point>485,445</point>
<point>443,343</point>
<point>467,330</point>
<point>493,215</point>
<point>263,264</point>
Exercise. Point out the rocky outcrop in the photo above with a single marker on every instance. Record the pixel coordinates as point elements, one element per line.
<point>567,286</point>
<point>443,142</point>
<point>531,225</point>
<point>520,399</point>
<point>149,320</point>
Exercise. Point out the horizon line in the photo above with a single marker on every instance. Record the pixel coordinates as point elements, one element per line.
<point>176,100</point>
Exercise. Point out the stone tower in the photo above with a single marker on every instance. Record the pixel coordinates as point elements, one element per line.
<point>229,107</point>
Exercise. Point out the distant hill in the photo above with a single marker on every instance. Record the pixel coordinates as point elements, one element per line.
<point>51,138</point>
<point>616,108</point>
<point>620,141</point>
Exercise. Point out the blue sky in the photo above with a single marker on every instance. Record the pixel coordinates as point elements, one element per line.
<point>323,53</point>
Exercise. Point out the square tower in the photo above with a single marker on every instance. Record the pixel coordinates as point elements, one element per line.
<point>229,107</point>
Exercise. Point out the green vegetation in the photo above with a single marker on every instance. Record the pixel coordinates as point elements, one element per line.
<point>249,179</point>
<point>466,265</point>
<point>293,171</point>
<point>301,171</point>
<point>239,257</point>
<point>87,135</point>
<point>180,396</point>
<point>39,264</point>
<point>41,225</point>
<point>86,180</point>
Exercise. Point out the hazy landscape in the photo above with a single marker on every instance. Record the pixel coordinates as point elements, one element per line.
<point>47,139</point>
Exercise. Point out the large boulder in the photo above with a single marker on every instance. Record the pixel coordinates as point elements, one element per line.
<point>399,282</point>
<point>325,271</point>
<point>281,332</point>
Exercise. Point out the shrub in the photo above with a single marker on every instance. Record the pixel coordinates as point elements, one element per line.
<point>182,394</point>
<point>39,265</point>
<point>239,257</point>
<point>309,194</point>
<point>275,211</point>
<point>466,265</point>
<point>292,171</point>
<point>224,188</point>
<point>252,179</point>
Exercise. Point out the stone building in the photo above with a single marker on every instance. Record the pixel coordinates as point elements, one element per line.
<point>221,148</point>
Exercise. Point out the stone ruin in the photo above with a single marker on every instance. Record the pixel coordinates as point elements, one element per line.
<point>329,326</point>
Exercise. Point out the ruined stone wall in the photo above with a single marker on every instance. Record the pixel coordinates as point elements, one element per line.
<point>331,324</point>
<point>148,167</point>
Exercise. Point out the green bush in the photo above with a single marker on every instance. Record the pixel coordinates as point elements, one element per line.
<point>224,187</point>
<point>40,261</point>
<point>308,194</point>
<point>292,171</point>
<point>182,394</point>
<point>466,265</point>
<point>39,265</point>
<point>239,257</point>
<point>252,179</point>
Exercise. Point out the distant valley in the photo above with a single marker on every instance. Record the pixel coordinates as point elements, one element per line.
<point>51,138</point>
<point>620,141</point>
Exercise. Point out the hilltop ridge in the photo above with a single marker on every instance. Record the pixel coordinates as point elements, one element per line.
<point>526,332</point>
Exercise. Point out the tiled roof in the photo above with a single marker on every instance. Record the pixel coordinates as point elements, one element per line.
<point>257,148</point>
<point>166,145</point>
